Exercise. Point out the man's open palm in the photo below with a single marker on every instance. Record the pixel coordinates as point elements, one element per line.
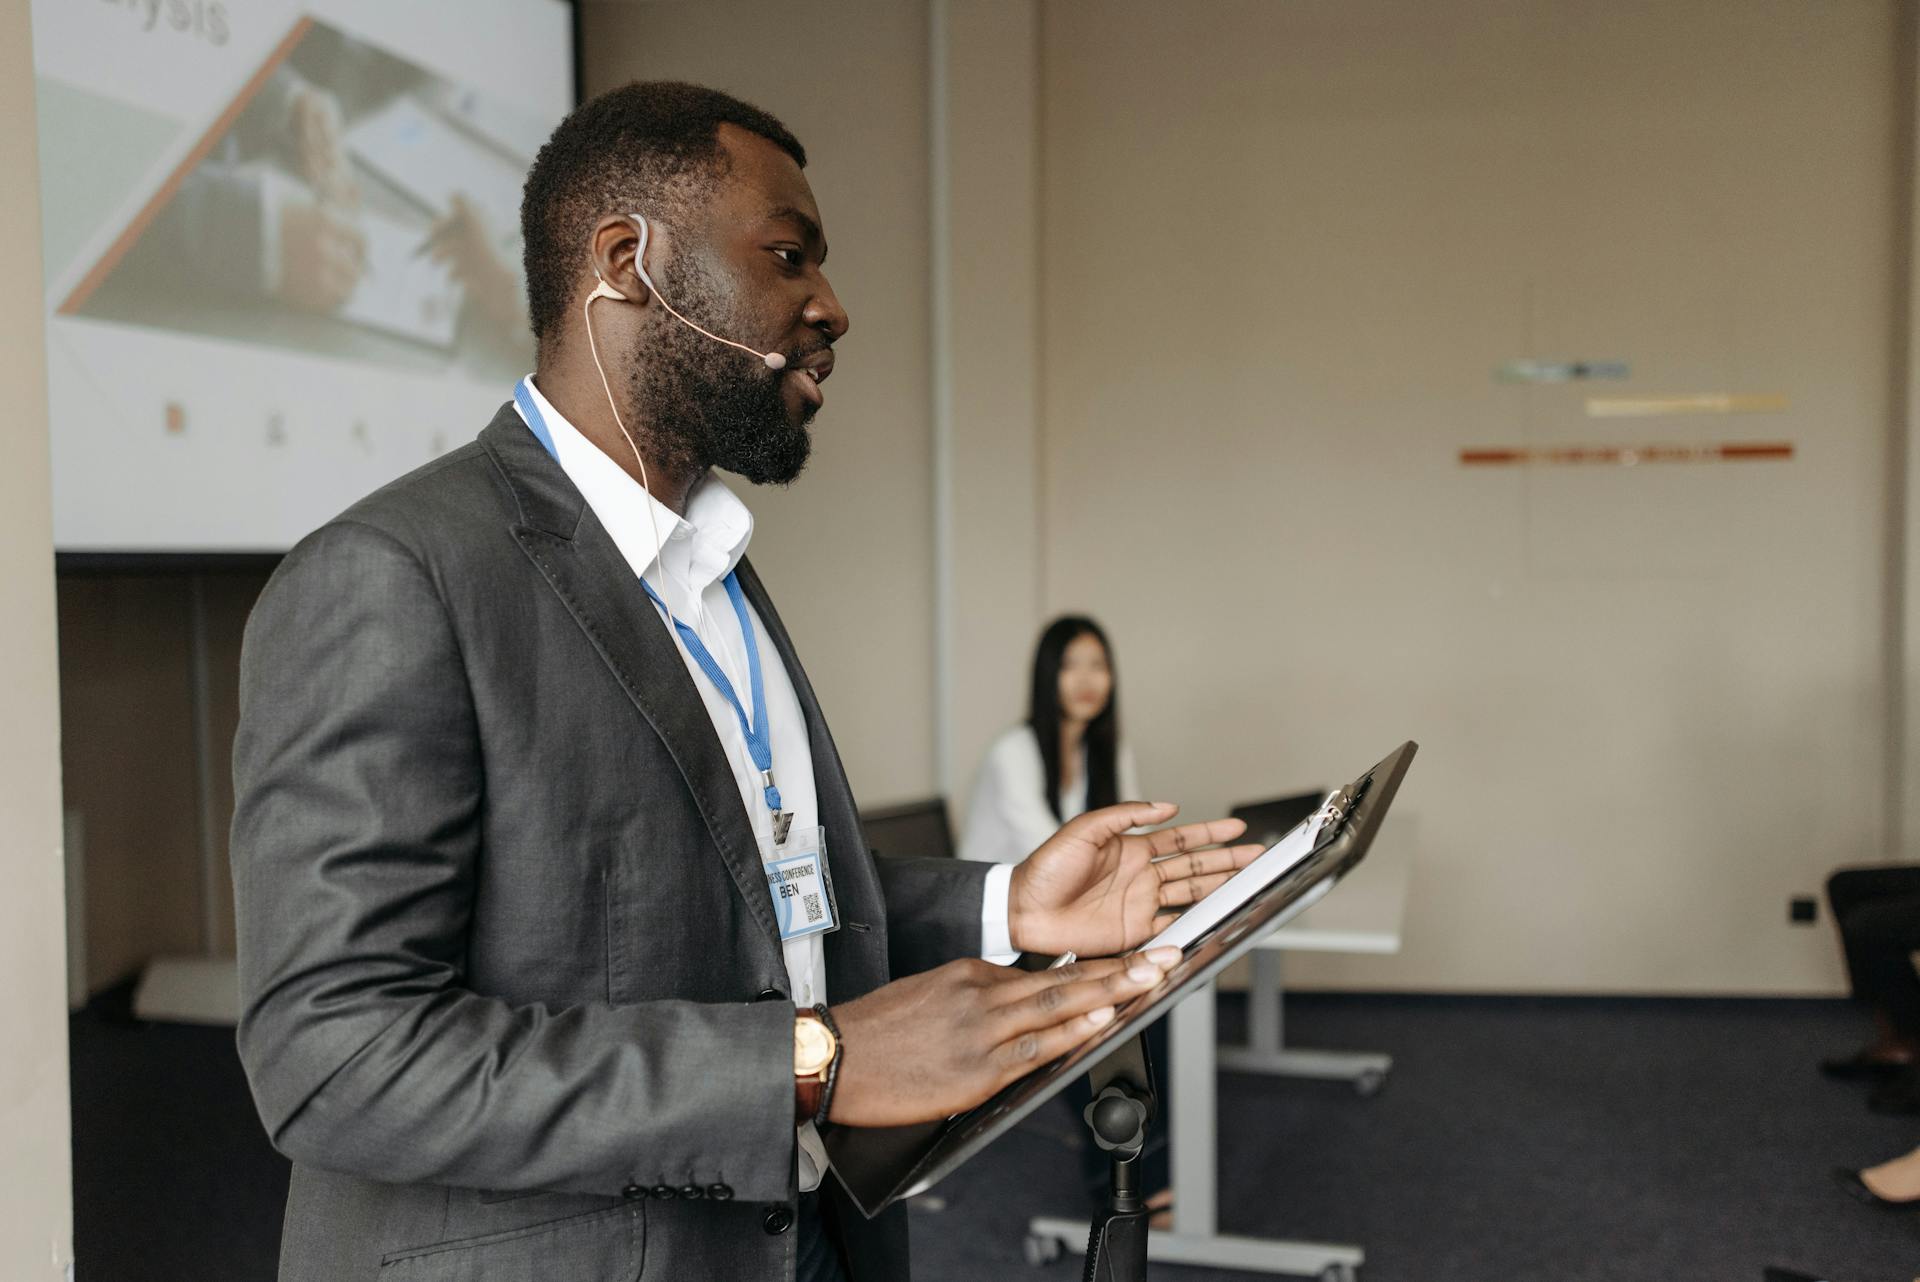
<point>1096,889</point>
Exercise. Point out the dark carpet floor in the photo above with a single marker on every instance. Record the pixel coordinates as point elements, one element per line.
<point>1550,1140</point>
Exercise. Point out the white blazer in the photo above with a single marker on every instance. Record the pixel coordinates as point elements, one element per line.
<point>1007,817</point>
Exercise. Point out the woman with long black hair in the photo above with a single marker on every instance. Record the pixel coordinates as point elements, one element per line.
<point>1066,759</point>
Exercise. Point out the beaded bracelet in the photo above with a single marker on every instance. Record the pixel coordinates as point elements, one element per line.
<point>833,1066</point>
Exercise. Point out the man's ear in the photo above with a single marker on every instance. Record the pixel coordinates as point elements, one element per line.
<point>613,247</point>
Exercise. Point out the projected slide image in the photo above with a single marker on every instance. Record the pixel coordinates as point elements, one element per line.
<point>347,203</point>
<point>282,251</point>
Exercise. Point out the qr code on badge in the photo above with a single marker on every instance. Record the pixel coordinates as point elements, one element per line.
<point>813,909</point>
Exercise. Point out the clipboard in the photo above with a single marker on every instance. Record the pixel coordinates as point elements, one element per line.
<point>879,1166</point>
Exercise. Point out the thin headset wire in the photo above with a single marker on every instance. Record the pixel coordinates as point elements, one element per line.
<point>640,270</point>
<point>759,356</point>
<point>653,523</point>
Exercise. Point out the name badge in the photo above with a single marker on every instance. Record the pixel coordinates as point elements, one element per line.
<point>801,887</point>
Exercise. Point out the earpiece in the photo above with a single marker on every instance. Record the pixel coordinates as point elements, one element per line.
<point>603,290</point>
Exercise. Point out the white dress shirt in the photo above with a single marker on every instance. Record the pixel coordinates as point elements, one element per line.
<point>688,566</point>
<point>1008,816</point>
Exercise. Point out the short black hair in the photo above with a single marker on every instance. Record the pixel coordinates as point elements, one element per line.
<point>653,145</point>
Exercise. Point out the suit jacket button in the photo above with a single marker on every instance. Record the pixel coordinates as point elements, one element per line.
<point>778,1220</point>
<point>692,1192</point>
<point>720,1192</point>
<point>634,1192</point>
<point>664,1192</point>
<point>771,995</point>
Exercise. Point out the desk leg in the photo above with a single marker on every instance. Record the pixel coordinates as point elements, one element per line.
<point>1266,1050</point>
<point>1193,1145</point>
<point>1191,1039</point>
<point>1266,1005</point>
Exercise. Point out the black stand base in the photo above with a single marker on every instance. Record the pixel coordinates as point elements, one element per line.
<point>1123,1105</point>
<point>1117,1247</point>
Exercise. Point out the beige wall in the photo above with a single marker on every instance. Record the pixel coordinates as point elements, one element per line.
<point>1180,313</point>
<point>988,357</point>
<point>36,1205</point>
<point>1286,245</point>
<point>848,551</point>
<point>1218,292</point>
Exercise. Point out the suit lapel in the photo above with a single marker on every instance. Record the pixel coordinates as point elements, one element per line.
<point>573,552</point>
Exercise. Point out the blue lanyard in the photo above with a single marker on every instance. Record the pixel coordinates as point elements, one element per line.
<point>531,412</point>
<point>759,742</point>
<point>759,745</point>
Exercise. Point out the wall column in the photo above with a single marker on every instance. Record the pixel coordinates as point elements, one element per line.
<point>1903,471</point>
<point>36,1166</point>
<point>985,149</point>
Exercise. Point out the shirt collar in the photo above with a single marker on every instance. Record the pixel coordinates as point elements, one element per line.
<point>715,531</point>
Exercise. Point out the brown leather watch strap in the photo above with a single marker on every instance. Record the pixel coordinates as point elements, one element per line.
<point>806,1097</point>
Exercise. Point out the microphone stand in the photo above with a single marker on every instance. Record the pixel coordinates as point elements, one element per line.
<point>1123,1106</point>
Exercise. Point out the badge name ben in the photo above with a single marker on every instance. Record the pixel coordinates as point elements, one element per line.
<point>801,889</point>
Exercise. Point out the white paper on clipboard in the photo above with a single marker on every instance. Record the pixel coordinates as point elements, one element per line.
<point>1275,863</point>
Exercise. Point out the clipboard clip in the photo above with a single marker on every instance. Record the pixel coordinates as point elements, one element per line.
<point>1332,815</point>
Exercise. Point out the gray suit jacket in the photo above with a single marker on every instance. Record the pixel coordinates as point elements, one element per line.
<point>513,997</point>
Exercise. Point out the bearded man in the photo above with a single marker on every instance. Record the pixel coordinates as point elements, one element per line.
<point>559,942</point>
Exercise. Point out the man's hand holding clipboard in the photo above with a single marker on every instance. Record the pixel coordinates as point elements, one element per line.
<point>931,1045</point>
<point>1099,886</point>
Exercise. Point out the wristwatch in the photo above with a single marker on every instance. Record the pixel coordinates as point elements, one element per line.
<point>816,1056</point>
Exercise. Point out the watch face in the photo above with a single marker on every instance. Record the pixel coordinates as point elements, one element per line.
<point>812,1047</point>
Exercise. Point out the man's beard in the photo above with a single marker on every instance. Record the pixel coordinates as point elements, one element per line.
<point>709,405</point>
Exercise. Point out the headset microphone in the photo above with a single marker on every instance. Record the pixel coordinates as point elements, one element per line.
<point>772,360</point>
